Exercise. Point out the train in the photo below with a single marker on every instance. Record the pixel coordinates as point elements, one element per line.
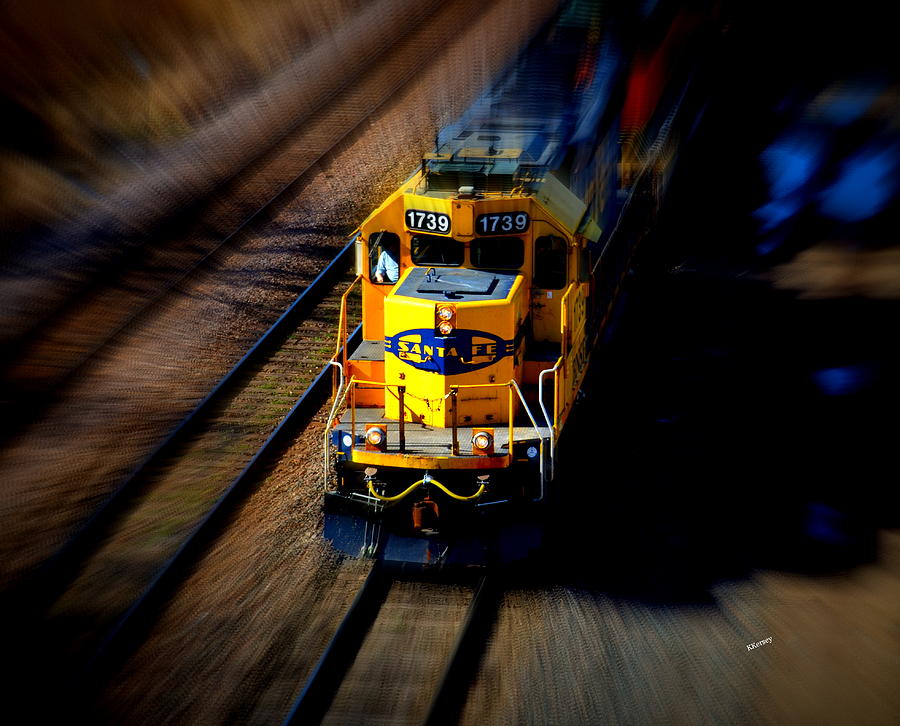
<point>486,279</point>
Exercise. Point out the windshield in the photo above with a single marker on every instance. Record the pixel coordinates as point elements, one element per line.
<point>498,253</point>
<point>430,249</point>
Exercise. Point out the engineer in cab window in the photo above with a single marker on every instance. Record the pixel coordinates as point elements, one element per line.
<point>388,267</point>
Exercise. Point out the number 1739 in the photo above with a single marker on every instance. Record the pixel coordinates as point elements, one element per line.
<point>427,221</point>
<point>498,223</point>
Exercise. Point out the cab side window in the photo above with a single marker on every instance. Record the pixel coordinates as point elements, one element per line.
<point>550,263</point>
<point>382,243</point>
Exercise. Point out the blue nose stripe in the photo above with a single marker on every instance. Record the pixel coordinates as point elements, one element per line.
<point>461,352</point>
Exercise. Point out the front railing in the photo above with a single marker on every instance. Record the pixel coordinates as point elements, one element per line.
<point>343,394</point>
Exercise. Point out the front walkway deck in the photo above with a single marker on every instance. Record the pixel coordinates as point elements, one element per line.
<point>432,441</point>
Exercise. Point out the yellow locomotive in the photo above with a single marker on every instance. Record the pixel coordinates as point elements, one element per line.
<point>485,281</point>
<point>475,342</point>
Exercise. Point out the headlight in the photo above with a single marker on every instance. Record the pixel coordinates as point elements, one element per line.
<point>445,318</point>
<point>376,437</point>
<point>483,442</point>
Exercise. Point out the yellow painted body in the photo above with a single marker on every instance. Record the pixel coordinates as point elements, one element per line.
<point>427,397</point>
<point>527,319</point>
<point>463,212</point>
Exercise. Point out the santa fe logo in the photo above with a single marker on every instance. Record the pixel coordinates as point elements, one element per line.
<point>464,351</point>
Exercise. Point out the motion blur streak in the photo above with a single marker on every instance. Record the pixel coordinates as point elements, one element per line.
<point>121,122</point>
<point>91,90</point>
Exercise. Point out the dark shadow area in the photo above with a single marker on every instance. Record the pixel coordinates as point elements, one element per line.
<point>728,425</point>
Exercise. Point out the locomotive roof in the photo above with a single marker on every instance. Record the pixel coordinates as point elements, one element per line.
<point>516,157</point>
<point>493,157</point>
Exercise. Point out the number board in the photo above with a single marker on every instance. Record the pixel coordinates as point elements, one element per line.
<point>503,222</point>
<point>428,221</point>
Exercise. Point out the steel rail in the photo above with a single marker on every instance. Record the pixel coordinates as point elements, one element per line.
<point>133,625</point>
<point>52,578</point>
<point>450,695</point>
<point>89,355</point>
<point>323,683</point>
<point>326,678</point>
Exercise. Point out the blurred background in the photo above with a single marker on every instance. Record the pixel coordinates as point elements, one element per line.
<point>91,91</point>
<point>117,118</point>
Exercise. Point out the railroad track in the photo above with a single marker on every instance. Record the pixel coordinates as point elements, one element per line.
<point>41,362</point>
<point>371,655</point>
<point>89,603</point>
<point>229,422</point>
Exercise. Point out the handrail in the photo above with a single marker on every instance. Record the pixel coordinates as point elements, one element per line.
<point>511,384</point>
<point>343,393</point>
<point>351,385</point>
<point>515,385</point>
<point>564,319</point>
<point>551,426</point>
<point>338,402</point>
<point>342,322</point>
